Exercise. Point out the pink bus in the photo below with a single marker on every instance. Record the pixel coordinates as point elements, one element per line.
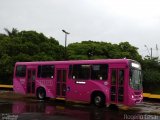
<point>101,82</point>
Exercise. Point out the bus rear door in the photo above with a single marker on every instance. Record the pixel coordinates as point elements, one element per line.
<point>61,82</point>
<point>31,80</point>
<point>117,85</point>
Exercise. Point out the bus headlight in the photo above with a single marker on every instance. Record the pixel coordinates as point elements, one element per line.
<point>132,96</point>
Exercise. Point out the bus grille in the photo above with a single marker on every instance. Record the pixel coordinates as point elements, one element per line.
<point>137,93</point>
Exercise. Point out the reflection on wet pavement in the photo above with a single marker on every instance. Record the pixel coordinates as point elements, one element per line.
<point>147,107</point>
<point>40,110</point>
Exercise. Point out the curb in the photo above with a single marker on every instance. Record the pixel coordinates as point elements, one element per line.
<point>149,95</point>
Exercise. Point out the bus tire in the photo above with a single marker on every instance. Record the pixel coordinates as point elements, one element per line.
<point>99,99</point>
<point>41,93</point>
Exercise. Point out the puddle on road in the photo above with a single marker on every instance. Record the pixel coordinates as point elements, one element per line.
<point>149,108</point>
<point>41,110</point>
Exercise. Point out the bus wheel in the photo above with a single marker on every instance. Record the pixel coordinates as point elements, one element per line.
<point>99,100</point>
<point>41,93</point>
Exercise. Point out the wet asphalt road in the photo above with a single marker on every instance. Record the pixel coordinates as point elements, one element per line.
<point>59,110</point>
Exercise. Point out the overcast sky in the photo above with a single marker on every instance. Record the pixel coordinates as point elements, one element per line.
<point>115,21</point>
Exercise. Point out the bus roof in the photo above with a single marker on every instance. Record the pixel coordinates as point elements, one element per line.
<point>76,62</point>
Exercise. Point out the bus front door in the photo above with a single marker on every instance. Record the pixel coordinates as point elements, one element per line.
<point>117,85</point>
<point>61,83</point>
<point>31,80</point>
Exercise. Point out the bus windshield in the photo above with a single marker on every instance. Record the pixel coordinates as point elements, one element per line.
<point>135,76</point>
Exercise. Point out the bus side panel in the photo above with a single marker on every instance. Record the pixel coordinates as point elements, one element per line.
<point>19,85</point>
<point>82,90</point>
<point>48,85</point>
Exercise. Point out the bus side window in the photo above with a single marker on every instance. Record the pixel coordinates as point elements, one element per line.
<point>121,77</point>
<point>33,75</point>
<point>29,75</point>
<point>99,72</point>
<point>113,77</point>
<point>39,71</point>
<point>21,71</point>
<point>46,71</point>
<point>70,71</point>
<point>81,72</point>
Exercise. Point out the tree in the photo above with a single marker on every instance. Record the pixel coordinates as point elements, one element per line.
<point>25,46</point>
<point>129,51</point>
<point>32,46</point>
<point>151,75</point>
<point>102,50</point>
<point>11,33</point>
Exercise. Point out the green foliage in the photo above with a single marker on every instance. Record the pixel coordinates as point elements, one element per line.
<point>25,46</point>
<point>151,75</point>
<point>102,50</point>
<point>32,46</point>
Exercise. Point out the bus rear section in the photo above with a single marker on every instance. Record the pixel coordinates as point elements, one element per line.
<point>35,78</point>
<point>20,79</point>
